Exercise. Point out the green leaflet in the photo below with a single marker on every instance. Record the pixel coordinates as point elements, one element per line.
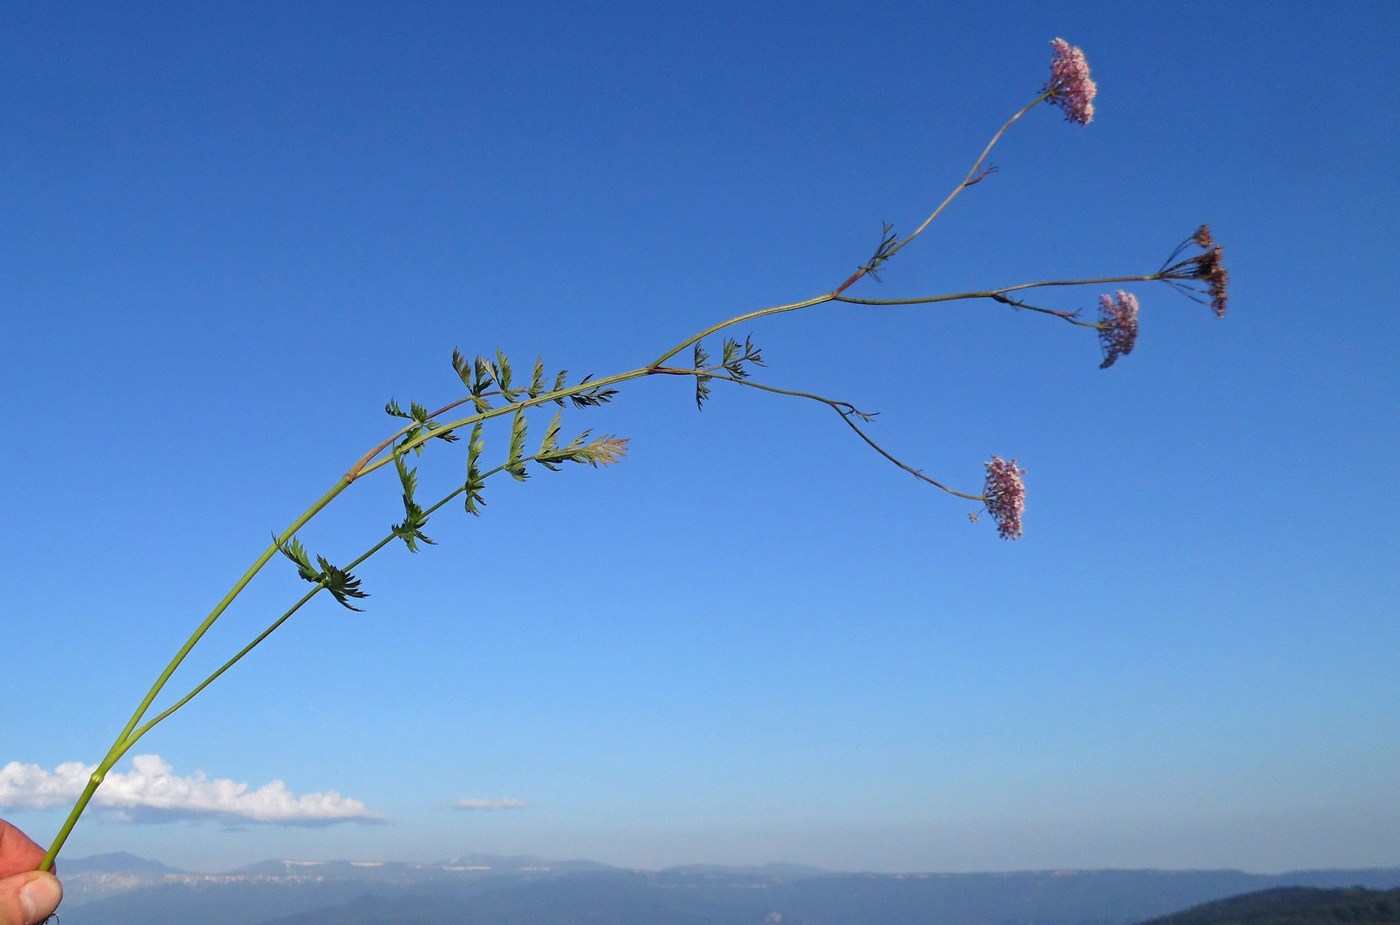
<point>475,480</point>
<point>339,582</point>
<point>515,465</point>
<point>591,397</point>
<point>537,379</point>
<point>410,530</point>
<point>733,358</point>
<point>702,381</point>
<point>296,552</point>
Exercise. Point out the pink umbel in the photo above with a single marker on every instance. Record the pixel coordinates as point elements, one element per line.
<point>1070,86</point>
<point>1005,496</point>
<point>1118,326</point>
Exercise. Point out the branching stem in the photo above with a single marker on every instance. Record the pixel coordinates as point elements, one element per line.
<point>848,412</point>
<point>394,447</point>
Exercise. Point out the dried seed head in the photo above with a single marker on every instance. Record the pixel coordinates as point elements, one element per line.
<point>1207,267</point>
<point>1217,278</point>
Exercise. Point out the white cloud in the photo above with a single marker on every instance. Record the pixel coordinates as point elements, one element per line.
<point>149,791</point>
<point>501,803</point>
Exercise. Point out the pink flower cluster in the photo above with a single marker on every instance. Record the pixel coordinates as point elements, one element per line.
<point>1005,496</point>
<point>1118,326</point>
<point>1070,86</point>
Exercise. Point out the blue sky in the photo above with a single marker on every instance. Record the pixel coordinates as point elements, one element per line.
<point>231,234</point>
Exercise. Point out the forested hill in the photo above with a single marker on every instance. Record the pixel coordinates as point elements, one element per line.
<point>1295,906</point>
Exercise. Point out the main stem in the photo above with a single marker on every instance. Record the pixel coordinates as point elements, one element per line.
<point>134,730</point>
<point>974,173</point>
<point>125,740</point>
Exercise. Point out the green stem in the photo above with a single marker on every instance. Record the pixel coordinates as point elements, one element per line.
<point>739,319</point>
<point>122,742</point>
<point>366,467</point>
<point>134,730</point>
<point>847,410</point>
<point>994,293</point>
<point>276,624</point>
<point>973,174</point>
<point>357,470</point>
<point>133,733</point>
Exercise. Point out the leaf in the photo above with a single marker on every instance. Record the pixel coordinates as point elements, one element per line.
<point>537,379</point>
<point>482,375</point>
<point>883,251</point>
<point>753,354</point>
<point>551,433</point>
<point>341,584</point>
<point>514,464</point>
<point>503,373</point>
<point>393,408</point>
<point>702,390</point>
<point>730,351</point>
<point>550,453</point>
<point>463,367</point>
<point>411,529</point>
<point>475,481</point>
<point>603,451</point>
<point>592,397</point>
<point>439,432</point>
<point>408,478</point>
<point>293,550</point>
<point>409,436</point>
<point>414,519</point>
<point>734,358</point>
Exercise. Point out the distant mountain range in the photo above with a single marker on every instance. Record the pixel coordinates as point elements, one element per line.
<point>122,889</point>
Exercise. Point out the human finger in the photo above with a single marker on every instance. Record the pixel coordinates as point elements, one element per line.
<point>29,898</point>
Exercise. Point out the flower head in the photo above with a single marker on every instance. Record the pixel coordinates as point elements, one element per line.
<point>1212,270</point>
<point>1005,496</point>
<point>1207,266</point>
<point>1070,86</point>
<point>1118,326</point>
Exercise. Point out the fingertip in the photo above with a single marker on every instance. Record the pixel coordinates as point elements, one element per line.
<point>40,897</point>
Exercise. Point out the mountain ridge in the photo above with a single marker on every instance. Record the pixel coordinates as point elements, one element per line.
<point>477,889</point>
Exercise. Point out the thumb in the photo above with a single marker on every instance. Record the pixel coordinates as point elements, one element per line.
<point>28,898</point>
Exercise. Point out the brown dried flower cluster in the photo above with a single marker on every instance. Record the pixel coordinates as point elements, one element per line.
<point>1207,267</point>
<point>1212,270</point>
